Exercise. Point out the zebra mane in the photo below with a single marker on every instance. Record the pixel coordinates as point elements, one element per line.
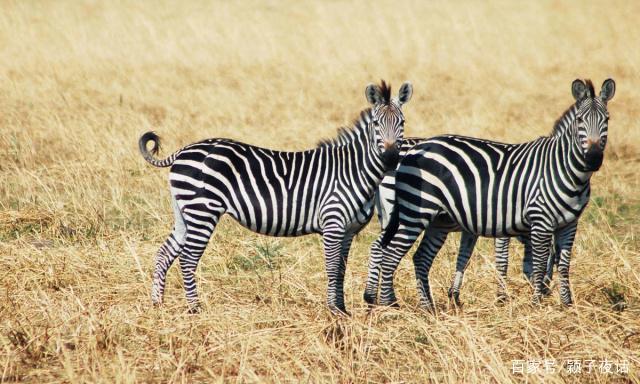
<point>564,121</point>
<point>347,135</point>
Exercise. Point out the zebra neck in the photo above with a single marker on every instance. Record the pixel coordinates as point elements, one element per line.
<point>364,168</point>
<point>568,165</point>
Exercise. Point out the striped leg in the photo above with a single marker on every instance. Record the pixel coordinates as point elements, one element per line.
<point>344,253</point>
<point>423,259</point>
<point>502,265</point>
<point>541,243</point>
<point>201,222</point>
<point>527,262</point>
<point>554,258</point>
<point>373,277</point>
<point>391,256</point>
<point>167,254</point>
<point>334,241</point>
<point>564,243</point>
<point>467,244</point>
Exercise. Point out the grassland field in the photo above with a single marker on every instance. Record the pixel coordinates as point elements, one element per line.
<point>82,215</point>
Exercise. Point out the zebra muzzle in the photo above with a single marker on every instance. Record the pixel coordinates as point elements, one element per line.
<point>593,158</point>
<point>390,158</point>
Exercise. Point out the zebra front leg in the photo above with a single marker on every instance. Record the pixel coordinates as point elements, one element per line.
<point>564,243</point>
<point>167,254</point>
<point>373,275</point>
<point>540,242</point>
<point>501,246</point>
<point>333,238</point>
<point>391,256</point>
<point>422,260</point>
<point>467,244</point>
<point>344,253</point>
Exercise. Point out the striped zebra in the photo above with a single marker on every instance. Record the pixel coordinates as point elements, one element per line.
<point>493,189</point>
<point>385,200</point>
<point>327,190</point>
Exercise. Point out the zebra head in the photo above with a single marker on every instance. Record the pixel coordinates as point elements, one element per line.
<point>387,119</point>
<point>592,118</point>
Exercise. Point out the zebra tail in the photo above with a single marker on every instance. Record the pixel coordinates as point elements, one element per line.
<point>148,154</point>
<point>392,226</point>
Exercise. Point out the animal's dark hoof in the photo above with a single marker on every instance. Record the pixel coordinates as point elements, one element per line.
<point>390,304</point>
<point>339,311</point>
<point>428,307</point>
<point>567,303</point>
<point>194,309</point>
<point>370,298</point>
<point>502,298</point>
<point>454,296</point>
<point>545,291</point>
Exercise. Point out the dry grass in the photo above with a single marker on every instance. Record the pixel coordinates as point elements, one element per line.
<point>81,214</point>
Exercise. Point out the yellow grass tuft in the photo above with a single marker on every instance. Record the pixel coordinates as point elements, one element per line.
<point>82,215</point>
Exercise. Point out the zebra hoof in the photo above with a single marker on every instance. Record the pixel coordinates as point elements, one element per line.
<point>545,290</point>
<point>194,309</point>
<point>339,311</point>
<point>390,304</point>
<point>428,307</point>
<point>568,303</point>
<point>502,298</point>
<point>370,298</point>
<point>454,296</point>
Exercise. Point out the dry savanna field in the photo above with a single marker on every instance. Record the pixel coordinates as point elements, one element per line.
<point>82,214</point>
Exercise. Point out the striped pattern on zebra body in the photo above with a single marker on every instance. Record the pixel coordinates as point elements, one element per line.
<point>486,188</point>
<point>327,190</point>
<point>385,200</point>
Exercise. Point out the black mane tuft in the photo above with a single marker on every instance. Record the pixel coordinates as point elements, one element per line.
<point>385,90</point>
<point>592,92</point>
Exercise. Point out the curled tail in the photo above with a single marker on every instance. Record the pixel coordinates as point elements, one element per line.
<point>148,154</point>
<point>392,227</point>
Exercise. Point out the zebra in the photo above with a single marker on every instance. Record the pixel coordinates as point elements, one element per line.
<point>538,188</point>
<point>385,199</point>
<point>327,190</point>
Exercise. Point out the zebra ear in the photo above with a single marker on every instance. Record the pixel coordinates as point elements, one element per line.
<point>405,93</point>
<point>578,89</point>
<point>608,90</point>
<point>373,94</point>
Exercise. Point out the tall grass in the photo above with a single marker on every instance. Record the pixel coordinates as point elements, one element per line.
<point>81,214</point>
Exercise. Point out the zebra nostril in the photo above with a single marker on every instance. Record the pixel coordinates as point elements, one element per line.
<point>389,145</point>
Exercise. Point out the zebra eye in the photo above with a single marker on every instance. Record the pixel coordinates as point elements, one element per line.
<point>375,123</point>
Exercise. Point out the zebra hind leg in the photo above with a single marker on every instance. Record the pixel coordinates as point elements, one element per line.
<point>391,256</point>
<point>431,243</point>
<point>167,254</point>
<point>201,222</point>
<point>467,244</point>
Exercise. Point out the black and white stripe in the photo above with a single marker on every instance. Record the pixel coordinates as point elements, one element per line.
<point>429,246</point>
<point>492,189</point>
<point>327,190</point>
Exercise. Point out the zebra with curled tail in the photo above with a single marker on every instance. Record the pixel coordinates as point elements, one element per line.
<point>539,188</point>
<point>327,190</point>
